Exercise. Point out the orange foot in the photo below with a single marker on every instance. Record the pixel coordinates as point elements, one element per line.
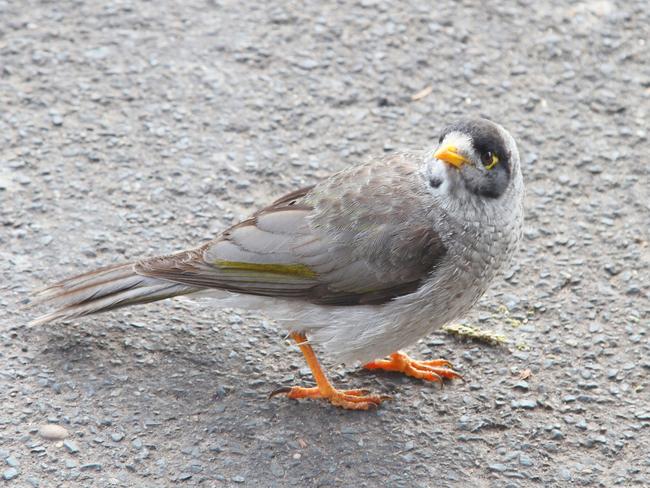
<point>349,399</point>
<point>434,370</point>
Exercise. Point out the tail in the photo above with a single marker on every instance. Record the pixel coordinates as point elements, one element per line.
<point>102,290</point>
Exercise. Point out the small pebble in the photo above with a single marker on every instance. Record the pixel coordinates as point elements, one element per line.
<point>525,460</point>
<point>71,446</point>
<point>522,385</point>
<point>53,432</point>
<point>12,461</point>
<point>10,474</point>
<point>527,404</point>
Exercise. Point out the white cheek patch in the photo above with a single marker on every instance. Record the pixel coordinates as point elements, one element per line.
<point>438,177</point>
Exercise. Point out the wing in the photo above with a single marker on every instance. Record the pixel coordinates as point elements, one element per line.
<point>364,236</point>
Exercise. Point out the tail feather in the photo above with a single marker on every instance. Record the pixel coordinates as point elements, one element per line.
<point>102,290</point>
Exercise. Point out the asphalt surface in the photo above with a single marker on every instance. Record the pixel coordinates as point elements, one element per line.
<point>129,129</point>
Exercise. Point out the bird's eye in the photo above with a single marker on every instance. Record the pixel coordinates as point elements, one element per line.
<point>440,139</point>
<point>490,160</point>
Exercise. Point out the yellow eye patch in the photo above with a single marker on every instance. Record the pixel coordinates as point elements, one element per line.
<point>493,163</point>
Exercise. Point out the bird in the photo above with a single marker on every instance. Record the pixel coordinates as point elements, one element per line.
<point>360,265</point>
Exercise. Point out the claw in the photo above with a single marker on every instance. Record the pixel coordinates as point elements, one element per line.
<point>279,391</point>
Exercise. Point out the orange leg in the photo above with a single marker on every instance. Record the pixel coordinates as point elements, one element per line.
<point>434,370</point>
<point>350,399</point>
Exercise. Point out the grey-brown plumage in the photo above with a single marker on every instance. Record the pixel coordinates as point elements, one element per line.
<point>367,261</point>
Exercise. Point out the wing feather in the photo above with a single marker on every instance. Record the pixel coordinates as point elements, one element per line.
<point>335,244</point>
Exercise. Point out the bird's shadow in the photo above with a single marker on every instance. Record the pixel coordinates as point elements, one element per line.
<point>210,386</point>
<point>180,375</point>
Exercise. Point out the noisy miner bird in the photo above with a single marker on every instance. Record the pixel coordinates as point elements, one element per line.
<point>362,264</point>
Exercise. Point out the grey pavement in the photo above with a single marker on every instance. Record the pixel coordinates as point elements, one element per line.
<point>129,129</point>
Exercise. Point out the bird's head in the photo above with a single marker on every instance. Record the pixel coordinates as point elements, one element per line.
<point>477,155</point>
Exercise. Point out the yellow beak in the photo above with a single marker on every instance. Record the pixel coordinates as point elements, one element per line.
<point>450,155</point>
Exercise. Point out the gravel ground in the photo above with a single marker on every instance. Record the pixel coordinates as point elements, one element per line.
<point>129,129</point>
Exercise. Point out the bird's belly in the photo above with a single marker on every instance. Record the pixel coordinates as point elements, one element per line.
<point>449,294</point>
<point>367,332</point>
